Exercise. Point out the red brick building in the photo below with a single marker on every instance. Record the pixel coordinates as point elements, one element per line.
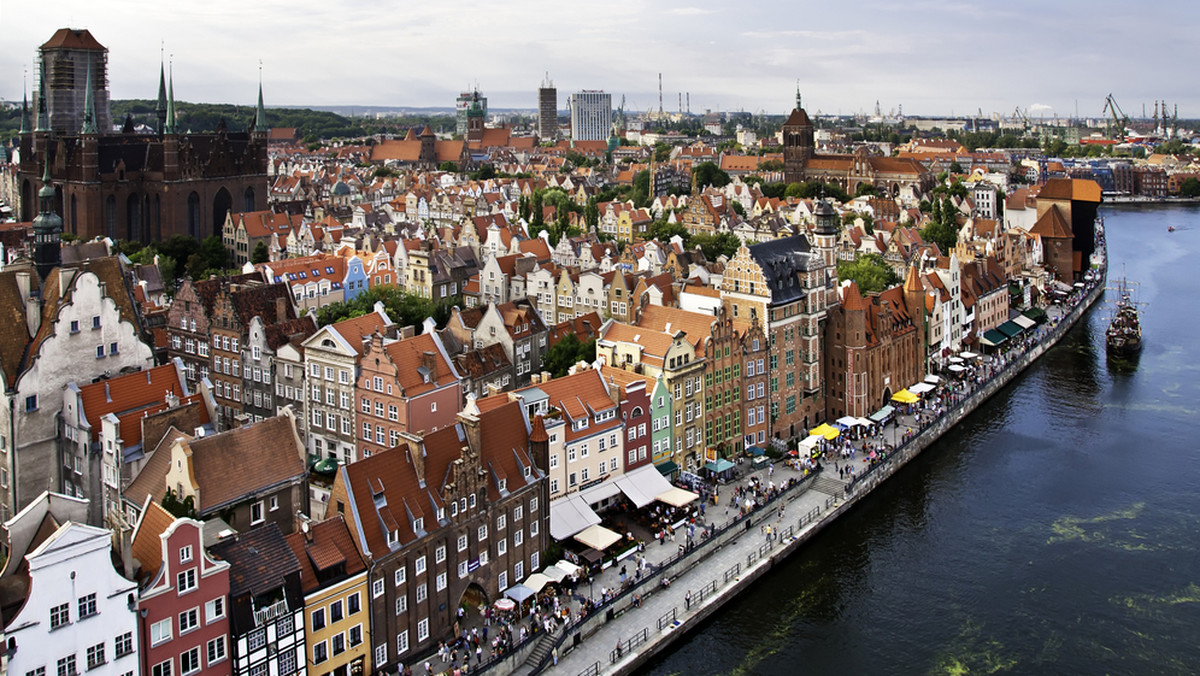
<point>407,385</point>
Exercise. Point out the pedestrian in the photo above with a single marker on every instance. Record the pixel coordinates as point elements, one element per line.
<point>618,647</point>
<point>687,600</point>
<point>554,655</point>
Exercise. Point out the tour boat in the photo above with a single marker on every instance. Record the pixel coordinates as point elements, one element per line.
<point>1124,334</point>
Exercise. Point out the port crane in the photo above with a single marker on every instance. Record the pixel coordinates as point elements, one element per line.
<point>1119,119</point>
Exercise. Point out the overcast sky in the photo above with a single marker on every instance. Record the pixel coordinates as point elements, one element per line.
<point>929,57</point>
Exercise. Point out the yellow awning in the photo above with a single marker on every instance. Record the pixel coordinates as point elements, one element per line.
<point>826,430</point>
<point>597,537</point>
<point>905,397</point>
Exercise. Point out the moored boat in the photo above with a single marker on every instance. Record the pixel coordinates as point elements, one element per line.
<point>1124,335</point>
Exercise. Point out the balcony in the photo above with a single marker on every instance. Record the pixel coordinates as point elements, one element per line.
<point>270,613</point>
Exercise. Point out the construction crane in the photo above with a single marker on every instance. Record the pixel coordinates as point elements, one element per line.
<point>1020,115</point>
<point>1119,119</point>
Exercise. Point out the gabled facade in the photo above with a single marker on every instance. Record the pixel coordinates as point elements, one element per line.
<point>79,614</point>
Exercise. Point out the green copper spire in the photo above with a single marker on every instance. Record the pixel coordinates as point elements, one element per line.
<point>160,109</point>
<point>43,115</point>
<point>260,116</point>
<point>169,120</point>
<point>47,229</point>
<point>24,111</point>
<point>89,106</point>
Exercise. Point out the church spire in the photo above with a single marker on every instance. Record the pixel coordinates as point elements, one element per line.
<point>160,109</point>
<point>260,116</point>
<point>799,105</point>
<point>169,120</point>
<point>89,106</point>
<point>43,115</point>
<point>24,110</point>
<point>47,228</point>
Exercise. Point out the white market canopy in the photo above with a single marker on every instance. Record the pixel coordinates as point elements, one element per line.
<point>968,355</point>
<point>570,515</point>
<point>555,573</point>
<point>536,582</point>
<point>643,485</point>
<point>864,422</point>
<point>848,421</point>
<point>597,537</point>
<point>519,592</point>
<point>811,441</point>
<point>955,368</point>
<point>932,379</point>
<point>568,567</point>
<point>1024,322</point>
<point>677,497</point>
<point>920,388</point>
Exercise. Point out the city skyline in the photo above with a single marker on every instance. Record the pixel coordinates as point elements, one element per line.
<point>930,58</point>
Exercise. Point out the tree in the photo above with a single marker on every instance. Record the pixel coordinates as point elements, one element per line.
<point>641,189</point>
<point>866,189</point>
<point>260,254</point>
<point>738,208</point>
<point>770,165</point>
<point>707,173</point>
<point>591,213</point>
<point>216,256</point>
<point>721,244</point>
<point>539,218</point>
<point>566,353</point>
<point>185,508</point>
<point>1189,188</point>
<point>955,167</point>
<point>870,271</point>
<point>197,267</point>
<point>448,166</point>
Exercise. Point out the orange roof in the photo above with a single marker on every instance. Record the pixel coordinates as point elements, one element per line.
<point>1052,224</point>
<point>147,541</point>
<point>408,355</point>
<point>72,38</point>
<point>1079,189</point>
<point>129,397</point>
<point>697,325</point>
<point>354,330</point>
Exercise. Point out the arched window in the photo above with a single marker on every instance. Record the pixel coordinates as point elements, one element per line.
<point>222,205</point>
<point>193,215</point>
<point>133,218</point>
<point>110,216</point>
<point>248,204</point>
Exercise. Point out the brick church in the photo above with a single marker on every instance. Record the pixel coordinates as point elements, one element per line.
<point>129,184</point>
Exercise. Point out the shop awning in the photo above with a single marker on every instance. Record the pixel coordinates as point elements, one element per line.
<point>1037,314</point>
<point>755,451</point>
<point>905,397</point>
<point>555,573</point>
<point>667,467</point>
<point>848,421</point>
<point>519,592</point>
<point>721,465</point>
<point>597,537</point>
<point>1009,328</point>
<point>568,567</point>
<point>601,491</point>
<point>810,442</point>
<point>826,430</point>
<point>882,414</point>
<point>864,422</point>
<point>932,379</point>
<point>1024,322</point>
<point>570,515</point>
<point>968,355</point>
<point>992,338</point>
<point>920,388</point>
<point>642,485</point>
<point>536,582</point>
<point>677,497</point>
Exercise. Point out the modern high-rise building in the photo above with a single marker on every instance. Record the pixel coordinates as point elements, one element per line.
<point>462,104</point>
<point>591,115</point>
<point>547,110</point>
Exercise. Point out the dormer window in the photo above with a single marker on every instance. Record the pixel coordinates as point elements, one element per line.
<point>528,471</point>
<point>419,524</point>
<point>393,538</point>
<point>504,484</point>
<point>441,514</point>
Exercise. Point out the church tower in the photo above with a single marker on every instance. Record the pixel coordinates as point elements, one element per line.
<point>475,120</point>
<point>47,230</point>
<point>160,108</point>
<point>825,244</point>
<point>798,147</point>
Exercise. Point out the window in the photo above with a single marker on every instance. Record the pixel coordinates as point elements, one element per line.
<point>501,522</point>
<point>423,630</point>
<point>31,403</point>
<point>60,615</point>
<point>257,638</point>
<point>482,532</point>
<point>402,642</point>
<point>189,620</point>
<point>519,570</point>
<point>401,576</point>
<point>502,580</point>
<point>95,656</point>
<point>216,649</point>
<point>318,619</point>
<point>502,546</point>
<point>355,635</point>
<point>256,512</point>
<point>441,581</point>
<point>335,612</point>
<point>87,606</point>
<point>439,554</point>
<point>376,589</point>
<point>401,604</point>
<point>112,348</point>
<point>533,528</point>
<point>380,655</point>
<point>518,537</point>
<point>419,566</point>
<point>160,631</point>
<point>161,669</point>
<point>189,661</point>
<point>320,652</point>
<point>422,592</point>
<point>337,644</point>
<point>462,569</point>
<point>353,604</point>
<point>123,645</point>
<point>186,581</point>
<point>96,322</point>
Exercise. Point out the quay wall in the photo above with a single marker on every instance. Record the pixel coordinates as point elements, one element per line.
<point>660,640</point>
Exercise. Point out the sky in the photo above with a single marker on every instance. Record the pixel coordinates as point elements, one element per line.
<point>926,57</point>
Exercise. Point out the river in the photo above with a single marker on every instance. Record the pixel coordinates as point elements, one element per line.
<point>1054,531</point>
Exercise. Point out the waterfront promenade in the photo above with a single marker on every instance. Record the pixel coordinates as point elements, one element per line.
<point>640,617</point>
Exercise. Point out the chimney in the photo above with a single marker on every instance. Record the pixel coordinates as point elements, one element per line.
<point>535,379</point>
<point>33,305</point>
<point>429,362</point>
<point>281,303</point>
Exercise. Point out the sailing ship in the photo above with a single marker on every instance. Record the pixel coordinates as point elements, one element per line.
<point>1124,334</point>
